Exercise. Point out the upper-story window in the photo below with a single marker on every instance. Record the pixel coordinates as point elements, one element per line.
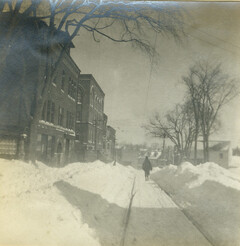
<point>95,101</point>
<point>60,116</point>
<point>71,88</point>
<point>79,96</point>
<point>78,116</point>
<point>91,96</point>
<point>63,81</point>
<point>44,111</point>
<point>50,111</point>
<point>70,120</point>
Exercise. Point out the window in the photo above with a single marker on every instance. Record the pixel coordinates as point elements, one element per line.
<point>69,86</point>
<point>63,81</point>
<point>53,146</point>
<point>44,111</point>
<point>78,116</point>
<point>70,120</point>
<point>48,110</point>
<point>77,136</point>
<point>89,134</point>
<point>79,95</point>
<point>93,135</point>
<point>60,116</point>
<point>91,98</point>
<point>72,88</point>
<point>221,155</point>
<point>53,112</point>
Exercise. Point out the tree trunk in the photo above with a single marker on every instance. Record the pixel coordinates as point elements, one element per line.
<point>195,146</point>
<point>32,134</point>
<point>207,148</point>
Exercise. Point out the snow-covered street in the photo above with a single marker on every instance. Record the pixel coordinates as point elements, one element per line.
<point>88,204</point>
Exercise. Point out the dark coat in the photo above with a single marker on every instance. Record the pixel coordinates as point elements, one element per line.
<point>147,166</point>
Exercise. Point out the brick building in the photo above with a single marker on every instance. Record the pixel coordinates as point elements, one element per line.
<point>72,126</point>
<point>20,90</point>
<point>90,116</point>
<point>56,129</point>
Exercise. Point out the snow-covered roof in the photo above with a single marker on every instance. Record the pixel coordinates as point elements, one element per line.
<point>223,145</point>
<point>215,145</point>
<point>155,155</point>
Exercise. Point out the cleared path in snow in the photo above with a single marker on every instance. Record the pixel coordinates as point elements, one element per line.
<point>155,220</point>
<point>102,193</point>
<point>149,195</point>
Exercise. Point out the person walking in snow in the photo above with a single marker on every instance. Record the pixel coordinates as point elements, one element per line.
<point>147,167</point>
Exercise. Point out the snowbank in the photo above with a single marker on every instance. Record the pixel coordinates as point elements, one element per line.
<point>209,194</point>
<point>32,210</point>
<point>190,176</point>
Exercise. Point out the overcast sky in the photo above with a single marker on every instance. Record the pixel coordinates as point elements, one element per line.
<point>133,93</point>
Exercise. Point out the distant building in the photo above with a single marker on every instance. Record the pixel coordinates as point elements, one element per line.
<point>89,120</point>
<point>153,156</point>
<point>220,152</point>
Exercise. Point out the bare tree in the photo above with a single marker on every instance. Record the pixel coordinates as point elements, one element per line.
<point>132,22</point>
<point>177,125</point>
<point>209,89</point>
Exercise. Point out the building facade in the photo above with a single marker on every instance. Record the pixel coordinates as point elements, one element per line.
<point>220,152</point>
<point>90,119</point>
<point>56,129</point>
<point>71,125</point>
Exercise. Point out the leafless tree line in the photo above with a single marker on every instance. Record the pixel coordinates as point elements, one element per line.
<point>208,89</point>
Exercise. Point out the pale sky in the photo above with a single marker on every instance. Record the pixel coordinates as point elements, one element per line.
<point>133,94</point>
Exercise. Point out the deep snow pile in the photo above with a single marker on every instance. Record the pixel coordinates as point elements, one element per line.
<point>190,176</point>
<point>33,211</point>
<point>209,194</point>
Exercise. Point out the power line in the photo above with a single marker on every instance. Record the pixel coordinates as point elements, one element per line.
<point>213,36</point>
